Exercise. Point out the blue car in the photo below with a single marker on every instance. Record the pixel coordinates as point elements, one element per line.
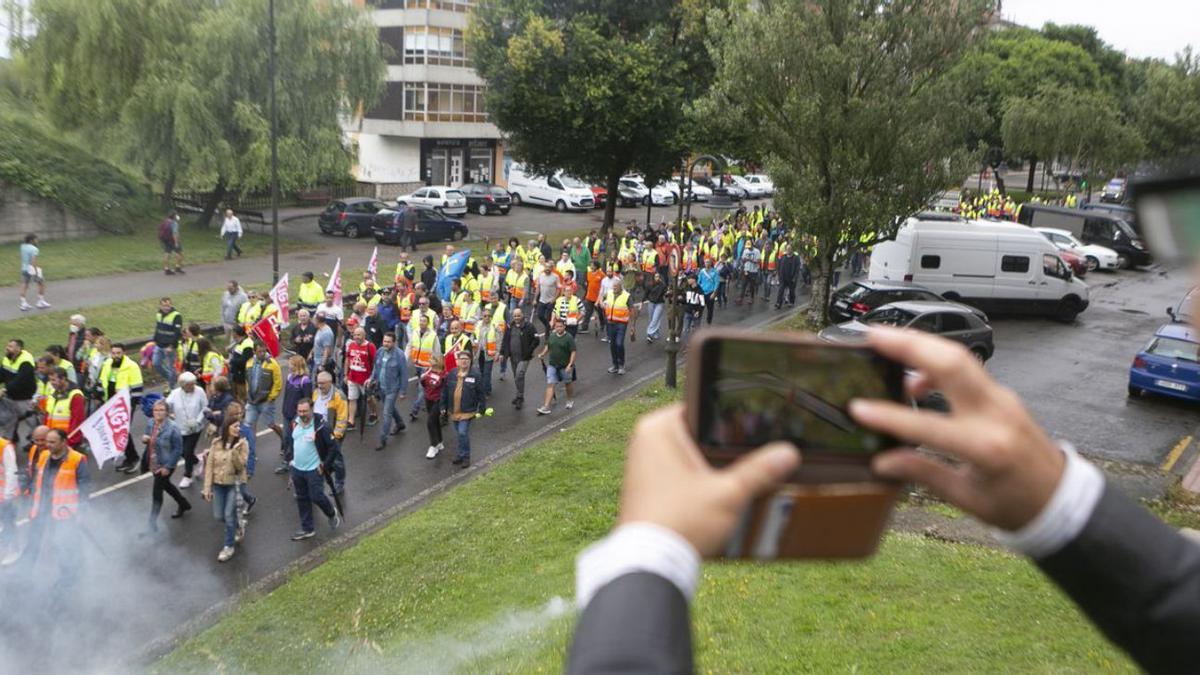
<point>1169,365</point>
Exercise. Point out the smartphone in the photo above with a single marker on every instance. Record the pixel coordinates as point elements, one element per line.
<point>746,389</point>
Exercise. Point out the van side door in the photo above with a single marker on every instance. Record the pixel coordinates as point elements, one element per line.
<point>1016,286</point>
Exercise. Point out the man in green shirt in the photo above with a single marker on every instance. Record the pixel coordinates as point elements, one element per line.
<point>581,258</point>
<point>560,348</point>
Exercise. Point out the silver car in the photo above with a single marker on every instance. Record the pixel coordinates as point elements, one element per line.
<point>951,320</point>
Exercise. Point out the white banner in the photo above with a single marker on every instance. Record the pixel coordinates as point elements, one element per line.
<point>107,430</point>
<point>279,296</point>
<point>373,265</point>
<point>335,282</point>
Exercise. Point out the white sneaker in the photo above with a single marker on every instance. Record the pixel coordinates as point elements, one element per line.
<point>240,533</point>
<point>42,304</point>
<point>13,556</point>
<point>432,452</point>
<point>570,403</point>
<point>543,410</point>
<point>441,447</point>
<point>225,554</point>
<point>25,306</point>
<point>185,483</point>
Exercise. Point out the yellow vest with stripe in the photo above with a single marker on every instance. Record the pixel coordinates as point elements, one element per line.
<point>58,410</point>
<point>421,348</point>
<point>616,309</point>
<point>128,376</point>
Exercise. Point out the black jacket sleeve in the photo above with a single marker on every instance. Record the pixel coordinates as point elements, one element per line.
<point>1137,579</point>
<point>638,623</point>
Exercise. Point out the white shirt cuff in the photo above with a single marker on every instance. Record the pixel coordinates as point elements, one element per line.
<point>636,547</point>
<point>1065,515</point>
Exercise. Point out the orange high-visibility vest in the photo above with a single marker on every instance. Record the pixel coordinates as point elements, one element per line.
<point>64,500</point>
<point>422,349</point>
<point>617,309</point>
<point>516,284</point>
<point>689,260</point>
<point>489,338</point>
<point>649,261</point>
<point>488,288</point>
<point>470,310</point>
<point>58,410</point>
<point>405,307</point>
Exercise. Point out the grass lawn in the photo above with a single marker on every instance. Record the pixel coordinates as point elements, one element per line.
<point>116,254</point>
<point>474,582</point>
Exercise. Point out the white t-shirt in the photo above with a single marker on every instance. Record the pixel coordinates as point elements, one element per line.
<point>231,225</point>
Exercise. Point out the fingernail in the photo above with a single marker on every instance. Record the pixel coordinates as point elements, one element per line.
<point>783,457</point>
<point>859,407</point>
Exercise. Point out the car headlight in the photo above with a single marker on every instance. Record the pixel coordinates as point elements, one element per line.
<point>1138,245</point>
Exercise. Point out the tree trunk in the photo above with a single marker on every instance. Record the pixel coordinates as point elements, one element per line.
<point>822,275</point>
<point>613,185</point>
<point>1032,170</point>
<point>999,181</point>
<point>168,195</point>
<point>214,201</point>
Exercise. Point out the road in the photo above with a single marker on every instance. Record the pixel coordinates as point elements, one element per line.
<point>135,589</point>
<point>1074,376</point>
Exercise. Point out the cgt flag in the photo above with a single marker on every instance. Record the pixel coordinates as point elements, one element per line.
<point>107,430</point>
<point>268,332</point>
<point>279,296</point>
<point>373,265</point>
<point>335,282</point>
<point>452,269</point>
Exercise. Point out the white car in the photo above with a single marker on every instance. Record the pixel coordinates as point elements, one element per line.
<point>700,193</point>
<point>660,195</point>
<point>763,181</point>
<point>753,190</point>
<point>1097,257</point>
<point>441,198</point>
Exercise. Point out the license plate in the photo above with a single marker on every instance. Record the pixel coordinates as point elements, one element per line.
<point>841,304</point>
<point>1167,384</point>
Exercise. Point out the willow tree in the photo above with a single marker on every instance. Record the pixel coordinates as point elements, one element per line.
<point>183,84</point>
<point>852,110</point>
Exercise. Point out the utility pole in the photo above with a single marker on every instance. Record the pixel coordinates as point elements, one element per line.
<point>274,145</point>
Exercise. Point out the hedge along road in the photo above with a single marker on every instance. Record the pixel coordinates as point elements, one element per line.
<point>134,594</point>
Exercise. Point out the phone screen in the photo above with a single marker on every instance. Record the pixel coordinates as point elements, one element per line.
<point>754,392</point>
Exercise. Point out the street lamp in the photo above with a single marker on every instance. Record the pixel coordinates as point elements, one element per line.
<point>718,202</point>
<point>274,145</point>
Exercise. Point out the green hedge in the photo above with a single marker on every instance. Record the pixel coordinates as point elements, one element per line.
<point>66,174</point>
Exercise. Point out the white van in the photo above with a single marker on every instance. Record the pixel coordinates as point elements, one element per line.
<point>558,191</point>
<point>998,267</point>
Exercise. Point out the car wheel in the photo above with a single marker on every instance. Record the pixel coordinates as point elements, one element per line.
<point>1068,309</point>
<point>1123,262</point>
<point>1133,391</point>
<point>516,199</point>
<point>560,206</point>
<point>352,232</point>
<point>980,354</point>
<point>1092,263</point>
<point>646,200</point>
<point>456,235</point>
<point>482,210</point>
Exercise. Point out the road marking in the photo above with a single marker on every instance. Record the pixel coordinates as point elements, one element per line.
<point>1176,453</point>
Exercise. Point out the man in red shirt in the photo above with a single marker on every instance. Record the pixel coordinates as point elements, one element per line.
<point>360,360</point>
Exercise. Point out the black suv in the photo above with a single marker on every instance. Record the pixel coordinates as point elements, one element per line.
<point>351,217</point>
<point>859,297</point>
<point>485,198</point>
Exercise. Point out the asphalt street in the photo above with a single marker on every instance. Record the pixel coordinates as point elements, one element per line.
<point>1073,377</point>
<point>136,589</point>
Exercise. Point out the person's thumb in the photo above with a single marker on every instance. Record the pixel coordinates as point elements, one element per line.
<point>761,470</point>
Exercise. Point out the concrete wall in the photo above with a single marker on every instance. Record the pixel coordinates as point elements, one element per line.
<point>22,213</point>
<point>388,159</point>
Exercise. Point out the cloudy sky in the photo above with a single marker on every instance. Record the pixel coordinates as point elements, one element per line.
<point>1140,28</point>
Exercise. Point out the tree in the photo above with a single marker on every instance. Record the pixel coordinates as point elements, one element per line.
<point>1166,107</point>
<point>851,102</point>
<point>184,82</point>
<point>596,88</point>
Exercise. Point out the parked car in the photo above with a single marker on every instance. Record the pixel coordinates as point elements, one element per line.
<point>753,190</point>
<point>859,297</point>
<point>1125,213</point>
<point>560,192</point>
<point>600,195</point>
<point>485,198</point>
<point>951,320</point>
<point>350,217</point>
<point>1090,227</point>
<point>1182,312</point>
<point>1077,263</point>
<point>1114,191</point>
<point>762,181</point>
<point>1097,257</point>
<point>998,267</point>
<point>659,195</point>
<point>1169,364</point>
<point>431,226</point>
<point>699,193</point>
<point>441,198</point>
<point>735,192</point>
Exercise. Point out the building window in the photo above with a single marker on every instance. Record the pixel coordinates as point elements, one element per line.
<point>479,165</point>
<point>435,46</point>
<point>448,5</point>
<point>436,102</point>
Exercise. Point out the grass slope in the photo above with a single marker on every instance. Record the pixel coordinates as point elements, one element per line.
<point>469,582</point>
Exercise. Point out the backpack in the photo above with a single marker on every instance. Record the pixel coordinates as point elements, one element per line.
<point>166,233</point>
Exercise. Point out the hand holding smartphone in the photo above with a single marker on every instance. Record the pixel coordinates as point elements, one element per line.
<point>747,389</point>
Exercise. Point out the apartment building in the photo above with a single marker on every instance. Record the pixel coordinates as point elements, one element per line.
<point>430,127</point>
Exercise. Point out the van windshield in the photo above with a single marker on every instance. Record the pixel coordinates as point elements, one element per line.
<point>1126,229</point>
<point>573,183</point>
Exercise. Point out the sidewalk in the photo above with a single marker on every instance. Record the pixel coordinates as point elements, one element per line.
<point>80,294</point>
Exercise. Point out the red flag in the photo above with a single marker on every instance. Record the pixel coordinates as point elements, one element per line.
<point>335,282</point>
<point>279,296</point>
<point>266,331</point>
<point>373,265</point>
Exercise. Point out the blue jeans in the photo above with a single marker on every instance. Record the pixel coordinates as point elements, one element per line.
<point>309,487</point>
<point>690,323</point>
<point>616,343</point>
<point>163,361</point>
<point>485,371</point>
<point>655,326</point>
<point>389,413</point>
<point>462,428</point>
<point>225,509</point>
<point>231,240</point>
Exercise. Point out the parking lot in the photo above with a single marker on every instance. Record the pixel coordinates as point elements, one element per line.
<point>1074,376</point>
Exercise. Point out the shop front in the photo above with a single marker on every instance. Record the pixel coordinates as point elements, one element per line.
<point>455,161</point>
